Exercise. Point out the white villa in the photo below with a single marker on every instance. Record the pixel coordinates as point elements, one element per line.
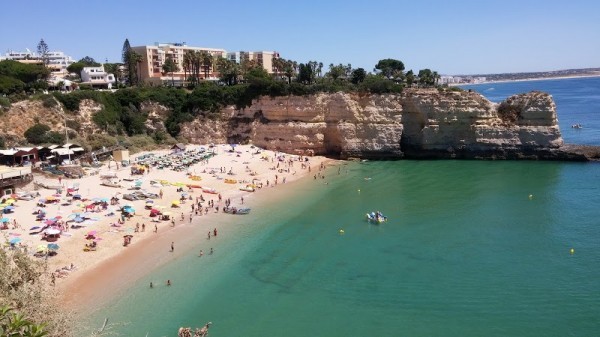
<point>97,77</point>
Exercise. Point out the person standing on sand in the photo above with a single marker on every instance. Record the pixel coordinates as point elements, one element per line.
<point>172,246</point>
<point>160,193</point>
<point>215,232</point>
<point>208,235</point>
<point>155,228</point>
<point>191,214</point>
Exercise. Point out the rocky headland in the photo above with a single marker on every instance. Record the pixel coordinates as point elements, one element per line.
<point>419,123</point>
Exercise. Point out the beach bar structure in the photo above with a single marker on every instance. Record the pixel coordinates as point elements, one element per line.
<point>11,177</point>
<point>19,156</point>
<point>178,148</point>
<point>121,156</point>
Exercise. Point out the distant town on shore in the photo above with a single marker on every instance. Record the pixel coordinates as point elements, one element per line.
<point>504,77</point>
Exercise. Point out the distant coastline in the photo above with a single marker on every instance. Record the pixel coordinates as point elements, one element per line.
<point>526,80</point>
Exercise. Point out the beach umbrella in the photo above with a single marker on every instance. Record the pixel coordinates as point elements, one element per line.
<point>78,219</point>
<point>129,210</point>
<point>49,222</point>
<point>42,200</point>
<point>9,207</point>
<point>41,248</point>
<point>77,196</point>
<point>41,216</point>
<point>10,201</point>
<point>52,231</point>
<point>175,202</point>
<point>5,220</point>
<point>14,241</point>
<point>53,246</point>
<point>104,199</point>
<point>92,233</point>
<point>34,228</point>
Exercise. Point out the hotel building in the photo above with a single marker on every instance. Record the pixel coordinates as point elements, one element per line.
<point>57,60</point>
<point>153,58</point>
<point>262,58</point>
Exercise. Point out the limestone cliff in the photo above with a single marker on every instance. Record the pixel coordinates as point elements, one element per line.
<point>420,123</point>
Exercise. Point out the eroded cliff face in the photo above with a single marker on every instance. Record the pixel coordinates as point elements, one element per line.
<point>419,123</point>
<point>423,123</point>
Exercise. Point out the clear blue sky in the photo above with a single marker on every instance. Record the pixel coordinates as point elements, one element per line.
<point>452,37</point>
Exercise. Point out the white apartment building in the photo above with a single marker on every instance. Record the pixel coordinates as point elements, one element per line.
<point>263,58</point>
<point>97,77</point>
<point>57,60</point>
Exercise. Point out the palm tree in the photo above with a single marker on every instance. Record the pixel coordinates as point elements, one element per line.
<point>170,67</point>
<point>435,77</point>
<point>207,62</point>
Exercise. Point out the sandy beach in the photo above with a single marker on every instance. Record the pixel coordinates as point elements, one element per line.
<point>80,271</point>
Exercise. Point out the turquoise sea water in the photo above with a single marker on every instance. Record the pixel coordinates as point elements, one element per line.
<point>466,252</point>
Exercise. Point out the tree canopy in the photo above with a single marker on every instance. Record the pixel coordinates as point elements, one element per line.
<point>390,68</point>
<point>17,77</point>
<point>40,134</point>
<point>78,66</point>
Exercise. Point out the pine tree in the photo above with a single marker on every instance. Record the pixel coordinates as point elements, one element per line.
<point>42,49</point>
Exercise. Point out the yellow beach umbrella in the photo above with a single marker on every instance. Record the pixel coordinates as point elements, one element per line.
<point>10,201</point>
<point>175,202</point>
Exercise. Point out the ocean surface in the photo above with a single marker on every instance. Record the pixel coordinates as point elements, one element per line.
<point>471,248</point>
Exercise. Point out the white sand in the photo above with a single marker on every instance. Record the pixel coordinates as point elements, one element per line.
<point>111,261</point>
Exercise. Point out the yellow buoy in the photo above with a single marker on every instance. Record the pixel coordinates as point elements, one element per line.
<point>530,196</point>
<point>341,231</point>
<point>572,251</point>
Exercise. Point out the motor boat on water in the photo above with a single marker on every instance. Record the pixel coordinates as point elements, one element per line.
<point>376,217</point>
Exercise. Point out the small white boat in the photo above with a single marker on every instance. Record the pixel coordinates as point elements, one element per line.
<point>376,217</point>
<point>248,188</point>
<point>111,183</point>
<point>209,190</point>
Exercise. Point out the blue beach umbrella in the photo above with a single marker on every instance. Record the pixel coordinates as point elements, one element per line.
<point>53,246</point>
<point>104,199</point>
<point>5,220</point>
<point>129,210</point>
<point>34,228</point>
<point>14,241</point>
<point>78,219</point>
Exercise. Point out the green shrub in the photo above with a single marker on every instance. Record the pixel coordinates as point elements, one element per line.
<point>37,133</point>
<point>48,101</point>
<point>97,141</point>
<point>4,102</point>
